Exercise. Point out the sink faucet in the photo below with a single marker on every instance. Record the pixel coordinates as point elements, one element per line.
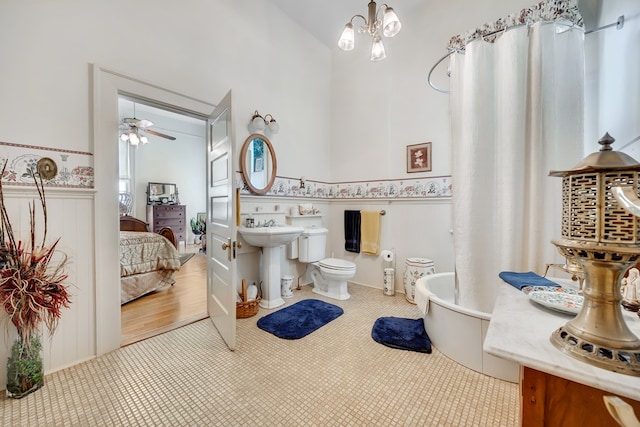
<point>270,223</point>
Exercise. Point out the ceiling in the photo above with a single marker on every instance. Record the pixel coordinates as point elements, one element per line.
<point>326,20</point>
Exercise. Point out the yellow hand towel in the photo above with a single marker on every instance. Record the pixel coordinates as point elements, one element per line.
<point>370,232</point>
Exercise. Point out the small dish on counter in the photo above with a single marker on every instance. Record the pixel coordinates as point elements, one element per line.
<point>528,289</point>
<point>560,301</point>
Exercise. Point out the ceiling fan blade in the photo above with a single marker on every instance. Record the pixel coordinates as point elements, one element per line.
<point>139,123</point>
<point>162,135</point>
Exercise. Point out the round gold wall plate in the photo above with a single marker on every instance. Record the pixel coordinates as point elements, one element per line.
<point>47,168</point>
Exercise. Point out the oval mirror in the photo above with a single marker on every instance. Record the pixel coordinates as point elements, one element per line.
<point>258,163</point>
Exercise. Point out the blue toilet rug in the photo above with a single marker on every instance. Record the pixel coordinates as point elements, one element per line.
<point>400,333</point>
<point>300,319</point>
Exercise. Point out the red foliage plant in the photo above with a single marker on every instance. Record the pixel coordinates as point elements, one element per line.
<point>31,285</point>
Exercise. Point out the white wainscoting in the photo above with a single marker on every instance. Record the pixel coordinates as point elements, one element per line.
<point>71,218</point>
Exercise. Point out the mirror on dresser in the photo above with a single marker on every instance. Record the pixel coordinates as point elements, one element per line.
<point>258,163</point>
<point>160,193</point>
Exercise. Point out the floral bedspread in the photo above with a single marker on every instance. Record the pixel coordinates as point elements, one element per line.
<point>142,252</point>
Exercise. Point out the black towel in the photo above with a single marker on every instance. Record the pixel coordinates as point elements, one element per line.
<point>352,231</point>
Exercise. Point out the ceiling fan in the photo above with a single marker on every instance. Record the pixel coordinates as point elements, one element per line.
<point>135,130</point>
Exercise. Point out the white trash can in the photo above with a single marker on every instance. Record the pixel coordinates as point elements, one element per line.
<point>414,269</point>
<point>286,286</point>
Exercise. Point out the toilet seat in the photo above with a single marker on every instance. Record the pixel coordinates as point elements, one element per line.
<point>336,264</point>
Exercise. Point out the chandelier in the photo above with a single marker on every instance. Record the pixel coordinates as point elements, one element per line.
<point>390,25</point>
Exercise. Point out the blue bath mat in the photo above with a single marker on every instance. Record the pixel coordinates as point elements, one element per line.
<point>404,334</point>
<point>300,319</point>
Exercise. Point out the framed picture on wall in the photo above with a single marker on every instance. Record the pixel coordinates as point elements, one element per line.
<point>419,157</point>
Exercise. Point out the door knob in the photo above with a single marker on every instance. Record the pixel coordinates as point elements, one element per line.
<point>225,246</point>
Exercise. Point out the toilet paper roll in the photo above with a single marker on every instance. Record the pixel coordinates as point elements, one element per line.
<point>387,255</point>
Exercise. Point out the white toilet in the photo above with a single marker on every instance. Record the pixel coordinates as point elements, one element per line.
<point>329,275</point>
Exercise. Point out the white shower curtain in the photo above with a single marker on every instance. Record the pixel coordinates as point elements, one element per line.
<point>517,113</point>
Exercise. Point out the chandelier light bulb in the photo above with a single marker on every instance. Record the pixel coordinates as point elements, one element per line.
<point>377,49</point>
<point>347,39</point>
<point>391,25</point>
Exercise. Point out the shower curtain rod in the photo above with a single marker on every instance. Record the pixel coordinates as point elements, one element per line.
<point>619,24</point>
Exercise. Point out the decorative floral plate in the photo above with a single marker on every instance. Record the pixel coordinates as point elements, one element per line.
<point>528,289</point>
<point>559,301</point>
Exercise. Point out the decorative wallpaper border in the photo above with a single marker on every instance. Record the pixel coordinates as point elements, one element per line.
<point>410,188</point>
<point>75,168</point>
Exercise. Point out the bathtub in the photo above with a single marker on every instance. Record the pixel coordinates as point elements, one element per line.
<point>459,332</point>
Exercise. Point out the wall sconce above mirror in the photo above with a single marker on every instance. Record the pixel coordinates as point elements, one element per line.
<point>260,124</point>
<point>258,163</point>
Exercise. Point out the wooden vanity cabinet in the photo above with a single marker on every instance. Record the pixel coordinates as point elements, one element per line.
<point>172,216</point>
<point>548,400</point>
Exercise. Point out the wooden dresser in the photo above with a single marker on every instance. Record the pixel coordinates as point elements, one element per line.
<point>173,216</point>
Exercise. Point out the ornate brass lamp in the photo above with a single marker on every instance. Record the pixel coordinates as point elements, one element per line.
<point>601,233</point>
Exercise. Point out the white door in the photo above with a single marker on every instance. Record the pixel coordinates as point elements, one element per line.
<point>221,226</point>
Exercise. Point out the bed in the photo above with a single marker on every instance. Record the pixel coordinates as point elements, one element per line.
<point>148,261</point>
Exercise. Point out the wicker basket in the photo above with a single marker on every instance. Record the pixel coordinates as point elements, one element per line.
<point>247,308</point>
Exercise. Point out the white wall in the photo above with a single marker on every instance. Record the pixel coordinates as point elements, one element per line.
<point>200,48</point>
<point>613,77</point>
<point>378,108</point>
<point>409,228</point>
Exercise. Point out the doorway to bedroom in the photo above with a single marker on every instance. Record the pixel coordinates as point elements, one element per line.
<point>167,149</point>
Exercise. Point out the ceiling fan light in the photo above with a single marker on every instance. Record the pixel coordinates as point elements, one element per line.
<point>347,39</point>
<point>144,139</point>
<point>377,49</point>
<point>133,139</point>
<point>391,25</point>
<point>124,137</point>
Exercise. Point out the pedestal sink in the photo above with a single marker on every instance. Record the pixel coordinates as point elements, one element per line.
<point>270,239</point>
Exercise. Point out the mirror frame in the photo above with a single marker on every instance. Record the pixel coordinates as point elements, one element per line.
<point>246,174</point>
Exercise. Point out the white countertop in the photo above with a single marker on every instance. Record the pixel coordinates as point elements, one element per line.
<point>520,330</point>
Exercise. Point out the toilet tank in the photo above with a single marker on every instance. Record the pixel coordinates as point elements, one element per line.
<point>311,244</point>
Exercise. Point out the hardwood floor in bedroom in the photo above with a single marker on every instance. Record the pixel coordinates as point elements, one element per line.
<point>169,308</point>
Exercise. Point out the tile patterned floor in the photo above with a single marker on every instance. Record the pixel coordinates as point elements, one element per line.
<point>336,376</point>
